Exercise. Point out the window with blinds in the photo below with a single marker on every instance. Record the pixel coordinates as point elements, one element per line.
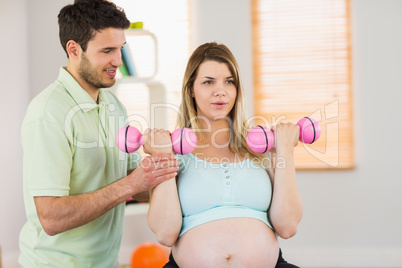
<point>302,65</point>
<point>171,30</point>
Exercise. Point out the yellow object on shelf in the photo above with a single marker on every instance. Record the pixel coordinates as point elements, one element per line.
<point>136,25</point>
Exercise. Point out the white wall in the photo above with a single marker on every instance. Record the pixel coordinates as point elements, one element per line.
<point>227,22</point>
<point>352,218</point>
<point>46,54</point>
<point>14,77</point>
<point>30,57</point>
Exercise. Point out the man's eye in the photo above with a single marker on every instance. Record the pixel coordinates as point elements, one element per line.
<point>107,51</point>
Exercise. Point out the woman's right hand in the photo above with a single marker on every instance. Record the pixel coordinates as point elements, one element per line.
<point>157,141</point>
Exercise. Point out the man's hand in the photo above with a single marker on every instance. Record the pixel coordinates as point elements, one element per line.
<point>153,170</point>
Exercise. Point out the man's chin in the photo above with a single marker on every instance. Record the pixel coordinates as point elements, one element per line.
<point>109,84</point>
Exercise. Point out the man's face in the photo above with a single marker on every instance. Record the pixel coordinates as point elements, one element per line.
<point>98,65</point>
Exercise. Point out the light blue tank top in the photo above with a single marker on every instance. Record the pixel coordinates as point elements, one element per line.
<point>210,192</point>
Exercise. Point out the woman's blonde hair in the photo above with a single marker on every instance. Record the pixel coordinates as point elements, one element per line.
<point>237,118</point>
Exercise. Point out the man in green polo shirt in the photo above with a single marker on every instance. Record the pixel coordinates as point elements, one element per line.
<point>76,181</point>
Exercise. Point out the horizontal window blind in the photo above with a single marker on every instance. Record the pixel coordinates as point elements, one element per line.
<point>302,65</point>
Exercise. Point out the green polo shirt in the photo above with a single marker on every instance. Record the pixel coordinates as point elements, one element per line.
<point>69,149</point>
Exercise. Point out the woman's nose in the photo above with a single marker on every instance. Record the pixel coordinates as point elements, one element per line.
<point>219,90</point>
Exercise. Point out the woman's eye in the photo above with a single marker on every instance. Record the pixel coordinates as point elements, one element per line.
<point>230,82</point>
<point>208,82</point>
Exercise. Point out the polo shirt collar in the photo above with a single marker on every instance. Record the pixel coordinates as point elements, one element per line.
<point>79,95</point>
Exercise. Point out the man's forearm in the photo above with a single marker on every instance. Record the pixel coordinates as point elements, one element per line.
<point>60,214</point>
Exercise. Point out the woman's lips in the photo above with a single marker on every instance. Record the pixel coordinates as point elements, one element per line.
<point>219,104</point>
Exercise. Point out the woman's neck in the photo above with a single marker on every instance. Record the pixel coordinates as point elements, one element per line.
<point>216,133</point>
<point>214,146</point>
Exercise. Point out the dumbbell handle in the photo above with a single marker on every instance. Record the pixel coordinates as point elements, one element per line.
<point>260,139</point>
<point>129,139</point>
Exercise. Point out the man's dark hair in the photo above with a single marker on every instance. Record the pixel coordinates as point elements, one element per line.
<point>81,20</point>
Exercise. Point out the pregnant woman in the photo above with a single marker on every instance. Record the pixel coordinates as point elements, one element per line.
<point>227,204</point>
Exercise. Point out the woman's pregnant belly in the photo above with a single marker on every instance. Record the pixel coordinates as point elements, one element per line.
<point>233,242</point>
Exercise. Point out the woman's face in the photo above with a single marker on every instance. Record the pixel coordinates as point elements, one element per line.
<point>214,90</point>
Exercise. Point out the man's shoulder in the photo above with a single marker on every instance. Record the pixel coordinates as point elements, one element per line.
<point>51,102</point>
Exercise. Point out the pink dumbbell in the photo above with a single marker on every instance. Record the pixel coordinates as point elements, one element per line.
<point>129,139</point>
<point>261,139</point>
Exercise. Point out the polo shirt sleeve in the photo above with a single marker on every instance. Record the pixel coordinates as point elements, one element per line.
<point>47,158</point>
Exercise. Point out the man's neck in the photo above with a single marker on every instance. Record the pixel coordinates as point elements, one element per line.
<point>92,92</point>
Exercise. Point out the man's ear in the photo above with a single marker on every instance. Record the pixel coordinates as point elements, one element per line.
<point>73,48</point>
